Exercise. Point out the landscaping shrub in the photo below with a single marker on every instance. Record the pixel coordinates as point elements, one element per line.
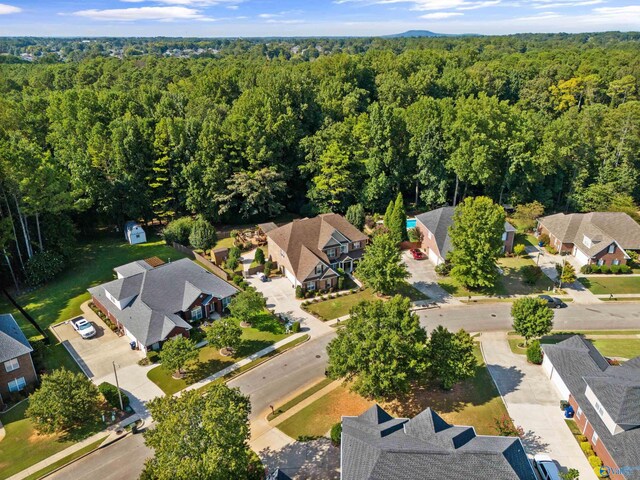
<point>551,250</point>
<point>110,394</point>
<point>152,356</point>
<point>295,327</point>
<point>544,238</point>
<point>595,268</point>
<point>336,434</point>
<point>581,438</point>
<point>267,267</point>
<point>595,462</point>
<point>534,352</point>
<point>531,274</point>
<point>633,258</point>
<point>299,292</point>
<point>615,269</point>
<point>625,269</point>
<point>243,284</point>
<point>586,448</point>
<point>143,362</point>
<point>203,235</point>
<point>340,283</point>
<point>178,231</point>
<point>586,269</point>
<point>43,266</point>
<point>414,234</point>
<point>237,279</point>
<point>519,250</point>
<point>601,473</point>
<point>259,257</point>
<point>605,269</point>
<point>443,269</point>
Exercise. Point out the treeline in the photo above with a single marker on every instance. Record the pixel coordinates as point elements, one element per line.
<point>247,136</point>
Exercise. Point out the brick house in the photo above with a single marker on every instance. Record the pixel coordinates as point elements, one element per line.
<point>376,445</point>
<point>606,401</point>
<point>434,232</point>
<point>153,303</point>
<point>309,251</point>
<point>16,365</point>
<point>599,238</point>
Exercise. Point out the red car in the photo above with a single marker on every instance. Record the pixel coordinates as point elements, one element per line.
<point>417,254</point>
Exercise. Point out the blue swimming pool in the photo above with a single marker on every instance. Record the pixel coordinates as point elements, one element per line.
<point>411,222</point>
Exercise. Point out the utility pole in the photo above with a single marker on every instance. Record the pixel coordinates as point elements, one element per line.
<point>118,386</point>
<point>564,262</point>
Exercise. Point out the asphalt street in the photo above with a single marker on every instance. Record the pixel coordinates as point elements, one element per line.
<point>285,374</point>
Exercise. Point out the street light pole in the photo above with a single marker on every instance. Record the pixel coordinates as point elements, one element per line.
<point>118,386</point>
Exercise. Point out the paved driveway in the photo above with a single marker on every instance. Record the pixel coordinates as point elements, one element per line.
<point>423,277</point>
<point>534,405</point>
<point>95,356</point>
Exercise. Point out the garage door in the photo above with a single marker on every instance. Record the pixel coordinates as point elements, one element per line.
<point>553,375</point>
<point>581,257</point>
<point>433,256</point>
<point>290,276</point>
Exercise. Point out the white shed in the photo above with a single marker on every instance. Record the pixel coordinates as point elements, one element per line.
<point>134,233</point>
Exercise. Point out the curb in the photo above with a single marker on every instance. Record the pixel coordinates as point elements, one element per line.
<point>80,457</point>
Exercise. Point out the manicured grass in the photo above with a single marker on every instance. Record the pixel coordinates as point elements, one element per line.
<point>23,447</point>
<point>224,243</point>
<point>69,458</point>
<point>609,347</point>
<point>625,299</point>
<point>475,402</point>
<point>613,284</point>
<point>341,306</point>
<point>510,283</point>
<point>299,398</point>
<point>316,419</point>
<point>265,332</point>
<point>92,263</point>
<point>55,356</point>
<point>266,256</point>
<point>409,291</point>
<point>573,426</point>
<point>588,332</point>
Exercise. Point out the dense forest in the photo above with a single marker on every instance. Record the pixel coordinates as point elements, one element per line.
<point>307,126</point>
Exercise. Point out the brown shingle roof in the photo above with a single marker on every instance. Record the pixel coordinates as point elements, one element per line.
<point>601,227</point>
<point>303,240</point>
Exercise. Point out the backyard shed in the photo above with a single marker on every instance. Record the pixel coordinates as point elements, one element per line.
<point>134,233</point>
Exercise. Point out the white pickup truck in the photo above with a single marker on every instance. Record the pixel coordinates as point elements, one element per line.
<point>83,327</point>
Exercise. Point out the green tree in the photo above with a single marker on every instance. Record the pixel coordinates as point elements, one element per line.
<point>381,267</point>
<point>528,213</point>
<point>388,215</point>
<point>355,216</point>
<point>203,235</point>
<point>200,436</point>
<point>178,230</point>
<point>398,221</point>
<point>252,194</point>
<point>334,183</point>
<point>381,349</point>
<point>451,356</point>
<point>225,333</point>
<point>176,353</point>
<point>259,256</point>
<point>64,402</point>
<point>248,304</point>
<point>476,237</point>
<point>532,318</point>
<point>566,273</point>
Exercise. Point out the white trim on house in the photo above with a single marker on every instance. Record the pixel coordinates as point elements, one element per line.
<point>555,378</point>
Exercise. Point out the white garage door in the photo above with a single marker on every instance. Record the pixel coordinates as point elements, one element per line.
<point>552,373</point>
<point>581,257</point>
<point>433,256</point>
<point>290,276</point>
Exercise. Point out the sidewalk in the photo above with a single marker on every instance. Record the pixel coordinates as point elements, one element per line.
<point>109,436</point>
<point>241,363</point>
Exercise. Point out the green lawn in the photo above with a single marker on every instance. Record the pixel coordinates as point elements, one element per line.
<point>265,331</point>
<point>613,284</point>
<point>91,264</point>
<point>63,461</point>
<point>510,283</point>
<point>609,347</point>
<point>224,243</point>
<point>266,256</point>
<point>296,400</point>
<point>23,447</point>
<point>475,402</point>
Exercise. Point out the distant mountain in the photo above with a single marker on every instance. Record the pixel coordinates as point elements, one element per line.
<point>427,33</point>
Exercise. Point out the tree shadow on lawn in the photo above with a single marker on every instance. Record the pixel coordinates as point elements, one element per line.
<point>266,322</point>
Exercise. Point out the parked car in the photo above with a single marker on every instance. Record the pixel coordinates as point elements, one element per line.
<point>552,302</point>
<point>262,277</point>
<point>417,254</point>
<point>83,327</point>
<point>546,467</point>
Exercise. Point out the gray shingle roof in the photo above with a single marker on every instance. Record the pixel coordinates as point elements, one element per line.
<point>376,446</point>
<point>161,292</point>
<point>132,268</point>
<point>438,222</point>
<point>580,364</point>
<point>13,342</point>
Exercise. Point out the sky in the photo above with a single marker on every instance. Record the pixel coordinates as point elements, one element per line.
<point>251,18</point>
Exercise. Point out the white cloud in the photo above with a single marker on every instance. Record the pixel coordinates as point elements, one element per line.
<point>632,11</point>
<point>143,13</point>
<point>7,9</point>
<point>563,4</point>
<point>426,5</point>
<point>268,15</point>
<point>476,5</point>
<point>440,15</point>
<point>190,3</point>
<point>284,22</point>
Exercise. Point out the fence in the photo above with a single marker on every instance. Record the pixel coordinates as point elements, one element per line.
<point>205,262</point>
<point>186,250</point>
<point>409,245</point>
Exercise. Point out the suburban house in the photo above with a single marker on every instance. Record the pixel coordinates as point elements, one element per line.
<point>309,251</point>
<point>606,401</point>
<point>17,371</point>
<point>134,233</point>
<point>376,445</point>
<point>153,303</point>
<point>592,238</point>
<point>434,232</point>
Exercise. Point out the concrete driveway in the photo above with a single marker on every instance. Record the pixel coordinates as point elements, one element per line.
<point>281,298</point>
<point>423,277</point>
<point>534,405</point>
<point>95,356</point>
